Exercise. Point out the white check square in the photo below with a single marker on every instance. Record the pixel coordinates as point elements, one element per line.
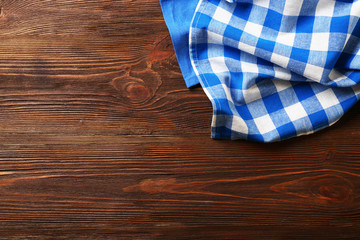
<point>325,8</point>
<point>218,65</point>
<point>336,76</point>
<point>262,3</point>
<point>239,125</point>
<point>295,111</point>
<point>222,15</point>
<point>280,60</point>
<point>292,7</point>
<point>320,42</point>
<point>327,98</point>
<point>249,67</point>
<point>252,94</point>
<point>355,9</point>
<point>313,72</point>
<point>264,124</point>
<point>281,85</point>
<point>253,29</point>
<point>227,93</point>
<point>246,47</point>
<point>286,38</point>
<point>282,74</point>
<point>214,38</point>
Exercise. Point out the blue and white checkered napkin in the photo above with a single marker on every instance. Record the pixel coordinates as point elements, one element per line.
<point>275,69</point>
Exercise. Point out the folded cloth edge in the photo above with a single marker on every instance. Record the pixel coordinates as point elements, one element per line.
<point>178,16</point>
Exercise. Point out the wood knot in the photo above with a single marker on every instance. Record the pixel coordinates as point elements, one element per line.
<point>137,86</point>
<point>132,88</point>
<point>336,193</point>
<point>328,158</point>
<point>137,92</point>
<point>325,188</point>
<point>332,188</point>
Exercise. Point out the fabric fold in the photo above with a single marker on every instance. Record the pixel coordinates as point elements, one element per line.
<point>276,69</point>
<point>178,15</point>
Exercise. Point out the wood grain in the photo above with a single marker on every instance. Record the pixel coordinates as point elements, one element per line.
<point>100,139</point>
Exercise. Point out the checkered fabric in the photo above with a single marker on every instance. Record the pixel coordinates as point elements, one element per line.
<point>275,69</point>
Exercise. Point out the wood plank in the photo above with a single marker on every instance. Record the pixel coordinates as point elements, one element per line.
<point>100,139</point>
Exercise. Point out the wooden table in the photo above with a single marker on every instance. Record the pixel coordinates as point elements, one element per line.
<point>100,139</point>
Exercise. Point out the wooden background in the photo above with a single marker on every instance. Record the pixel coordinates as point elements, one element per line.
<point>100,139</point>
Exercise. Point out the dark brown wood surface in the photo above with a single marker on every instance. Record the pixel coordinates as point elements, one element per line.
<point>100,139</point>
